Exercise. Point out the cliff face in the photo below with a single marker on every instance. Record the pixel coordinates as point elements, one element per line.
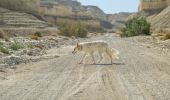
<point>153,6</point>
<point>30,6</point>
<point>95,12</point>
<point>157,13</point>
<point>118,20</point>
<point>160,21</point>
<point>70,8</point>
<point>56,11</point>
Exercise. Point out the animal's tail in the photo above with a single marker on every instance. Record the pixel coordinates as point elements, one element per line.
<point>115,53</point>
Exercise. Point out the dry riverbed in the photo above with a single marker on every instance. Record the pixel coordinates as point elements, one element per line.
<point>141,73</point>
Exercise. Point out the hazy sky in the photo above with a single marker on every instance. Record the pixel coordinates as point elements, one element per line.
<point>113,6</point>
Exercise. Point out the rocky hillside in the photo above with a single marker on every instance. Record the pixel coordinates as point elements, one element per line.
<point>15,23</point>
<point>31,6</point>
<point>157,13</point>
<point>118,19</point>
<point>19,19</point>
<point>95,12</point>
<point>153,6</point>
<point>161,20</point>
<point>59,11</point>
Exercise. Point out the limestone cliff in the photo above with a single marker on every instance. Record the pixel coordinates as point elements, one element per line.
<point>30,6</point>
<point>160,21</point>
<point>56,11</point>
<point>153,6</point>
<point>118,20</point>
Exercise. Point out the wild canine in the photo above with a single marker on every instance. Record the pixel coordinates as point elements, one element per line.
<point>99,46</point>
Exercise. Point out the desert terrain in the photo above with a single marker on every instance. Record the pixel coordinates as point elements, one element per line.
<point>141,73</point>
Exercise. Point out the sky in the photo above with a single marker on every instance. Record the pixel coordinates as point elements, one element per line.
<point>113,6</point>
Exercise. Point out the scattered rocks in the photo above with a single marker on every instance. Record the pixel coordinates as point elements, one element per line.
<point>1,54</point>
<point>150,42</point>
<point>165,44</point>
<point>13,60</point>
<point>33,51</point>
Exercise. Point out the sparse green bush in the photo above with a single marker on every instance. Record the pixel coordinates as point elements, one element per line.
<point>73,29</point>
<point>3,49</point>
<point>136,26</point>
<point>15,46</point>
<point>1,43</point>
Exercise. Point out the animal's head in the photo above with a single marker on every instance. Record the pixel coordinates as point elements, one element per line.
<point>77,48</point>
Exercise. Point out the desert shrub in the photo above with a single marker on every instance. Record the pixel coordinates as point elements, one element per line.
<point>38,34</point>
<point>81,31</point>
<point>34,37</point>
<point>3,49</point>
<point>73,29</point>
<point>1,44</point>
<point>1,34</point>
<point>164,36</point>
<point>136,26</point>
<point>15,46</point>
<point>167,35</point>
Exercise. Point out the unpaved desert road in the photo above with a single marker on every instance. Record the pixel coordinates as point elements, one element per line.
<point>141,73</point>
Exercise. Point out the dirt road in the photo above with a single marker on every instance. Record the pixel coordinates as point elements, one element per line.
<point>141,73</point>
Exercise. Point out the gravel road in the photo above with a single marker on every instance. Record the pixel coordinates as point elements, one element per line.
<point>141,73</point>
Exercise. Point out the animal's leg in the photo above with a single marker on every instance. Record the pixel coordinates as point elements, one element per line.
<point>101,57</point>
<point>93,58</point>
<point>109,54</point>
<point>83,58</point>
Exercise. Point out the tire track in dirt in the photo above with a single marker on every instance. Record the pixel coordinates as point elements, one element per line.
<point>140,74</point>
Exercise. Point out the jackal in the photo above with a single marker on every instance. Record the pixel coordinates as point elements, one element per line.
<point>99,46</point>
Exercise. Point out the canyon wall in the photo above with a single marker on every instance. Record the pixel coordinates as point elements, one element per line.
<point>153,5</point>
<point>30,6</point>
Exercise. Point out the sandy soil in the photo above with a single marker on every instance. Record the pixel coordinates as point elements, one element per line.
<point>141,73</point>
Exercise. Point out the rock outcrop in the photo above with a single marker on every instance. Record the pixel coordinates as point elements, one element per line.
<point>20,19</point>
<point>118,20</point>
<point>160,21</point>
<point>57,11</point>
<point>157,13</point>
<point>153,6</point>
<point>95,12</point>
<point>31,6</point>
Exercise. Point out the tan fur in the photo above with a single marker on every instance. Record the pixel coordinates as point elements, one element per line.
<point>96,46</point>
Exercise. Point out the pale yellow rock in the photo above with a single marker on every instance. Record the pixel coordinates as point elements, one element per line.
<point>31,6</point>
<point>153,4</point>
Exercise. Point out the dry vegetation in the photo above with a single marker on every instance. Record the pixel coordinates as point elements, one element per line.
<point>2,34</point>
<point>73,28</point>
<point>162,36</point>
<point>36,35</point>
<point>3,49</point>
<point>136,26</point>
